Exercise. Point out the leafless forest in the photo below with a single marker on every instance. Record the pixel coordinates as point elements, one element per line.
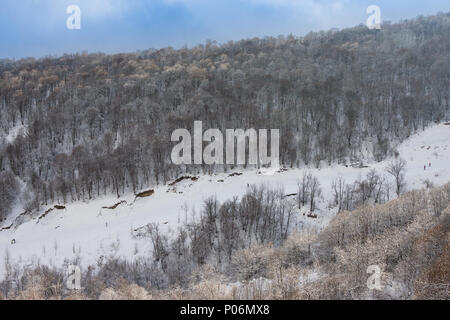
<point>90,125</point>
<point>100,124</point>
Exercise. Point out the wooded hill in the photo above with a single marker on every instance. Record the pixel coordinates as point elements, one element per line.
<point>96,123</point>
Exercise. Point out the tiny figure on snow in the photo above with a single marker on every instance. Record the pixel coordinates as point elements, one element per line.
<point>425,167</point>
<point>429,164</point>
<point>13,241</point>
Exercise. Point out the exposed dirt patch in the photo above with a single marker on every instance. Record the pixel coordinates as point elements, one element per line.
<point>24,213</point>
<point>57,207</point>
<point>145,194</point>
<point>45,214</point>
<point>234,174</point>
<point>183,178</point>
<point>7,228</point>
<point>115,206</point>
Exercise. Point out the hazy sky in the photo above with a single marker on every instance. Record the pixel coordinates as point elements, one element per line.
<point>38,27</point>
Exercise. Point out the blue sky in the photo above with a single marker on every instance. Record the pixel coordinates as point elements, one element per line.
<point>36,28</point>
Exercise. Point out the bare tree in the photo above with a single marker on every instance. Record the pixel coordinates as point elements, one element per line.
<point>303,189</point>
<point>397,169</point>
<point>338,187</point>
<point>160,245</point>
<point>314,192</point>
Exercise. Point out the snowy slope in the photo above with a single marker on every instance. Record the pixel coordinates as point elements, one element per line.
<point>87,231</point>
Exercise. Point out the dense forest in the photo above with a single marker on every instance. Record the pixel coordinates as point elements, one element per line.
<point>94,124</point>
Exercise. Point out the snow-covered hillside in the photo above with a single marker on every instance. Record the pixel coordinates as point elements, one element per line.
<point>105,227</point>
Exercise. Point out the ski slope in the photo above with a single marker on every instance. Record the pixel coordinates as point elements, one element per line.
<point>87,232</point>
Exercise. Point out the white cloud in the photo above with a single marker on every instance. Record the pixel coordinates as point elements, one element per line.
<point>323,14</point>
<point>104,8</point>
<point>320,14</point>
